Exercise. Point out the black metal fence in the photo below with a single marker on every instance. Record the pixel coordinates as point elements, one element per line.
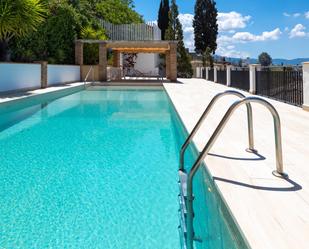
<point>204,73</point>
<point>240,78</point>
<point>211,74</point>
<point>221,76</point>
<point>284,84</point>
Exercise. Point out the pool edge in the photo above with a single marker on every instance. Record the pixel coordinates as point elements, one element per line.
<point>227,211</point>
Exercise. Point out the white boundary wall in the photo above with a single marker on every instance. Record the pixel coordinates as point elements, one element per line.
<point>18,76</point>
<point>59,74</point>
<point>27,76</point>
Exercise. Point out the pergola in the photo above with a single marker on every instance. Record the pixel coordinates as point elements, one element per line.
<point>169,48</point>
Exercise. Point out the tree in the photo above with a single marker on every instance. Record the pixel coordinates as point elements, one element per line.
<point>163,18</point>
<point>174,32</point>
<point>66,21</point>
<point>265,59</point>
<point>118,12</point>
<point>17,18</point>
<point>205,27</point>
<point>54,39</point>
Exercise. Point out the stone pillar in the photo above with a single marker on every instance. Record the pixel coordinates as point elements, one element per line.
<point>306,85</point>
<point>228,75</point>
<point>79,53</point>
<point>252,77</point>
<point>173,62</point>
<point>206,73</point>
<point>167,64</point>
<point>102,62</point>
<point>43,74</point>
<point>215,74</point>
<point>116,59</point>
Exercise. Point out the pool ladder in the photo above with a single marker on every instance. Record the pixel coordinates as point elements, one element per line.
<point>186,198</point>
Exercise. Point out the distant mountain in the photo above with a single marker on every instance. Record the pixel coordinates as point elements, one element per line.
<point>297,61</point>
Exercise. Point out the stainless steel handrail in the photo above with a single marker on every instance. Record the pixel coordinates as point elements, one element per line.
<point>279,164</point>
<point>205,114</point>
<point>87,75</point>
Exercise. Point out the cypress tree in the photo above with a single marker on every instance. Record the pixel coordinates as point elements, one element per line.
<point>175,32</point>
<point>163,17</point>
<point>205,28</point>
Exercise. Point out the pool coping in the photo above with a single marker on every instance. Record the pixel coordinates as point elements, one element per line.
<point>12,101</point>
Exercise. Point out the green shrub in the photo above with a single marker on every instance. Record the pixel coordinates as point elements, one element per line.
<point>54,39</point>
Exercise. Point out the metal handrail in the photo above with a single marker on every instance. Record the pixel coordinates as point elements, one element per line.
<point>279,164</point>
<point>87,75</point>
<point>205,114</point>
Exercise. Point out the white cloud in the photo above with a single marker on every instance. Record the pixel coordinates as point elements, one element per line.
<point>226,44</point>
<point>244,37</point>
<point>232,20</point>
<point>188,31</point>
<point>298,31</point>
<point>230,51</point>
<point>307,14</point>
<point>227,22</point>
<point>292,14</point>
<point>228,37</point>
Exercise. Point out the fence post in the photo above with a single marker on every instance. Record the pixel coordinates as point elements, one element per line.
<point>198,72</point>
<point>252,77</point>
<point>215,74</point>
<point>306,85</point>
<point>228,75</point>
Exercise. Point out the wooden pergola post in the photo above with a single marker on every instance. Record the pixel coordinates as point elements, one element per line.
<point>173,62</point>
<point>79,56</point>
<point>116,58</point>
<point>102,61</point>
<point>167,64</point>
<point>79,53</point>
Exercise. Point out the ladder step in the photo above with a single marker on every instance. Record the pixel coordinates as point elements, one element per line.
<point>183,182</point>
<point>182,207</point>
<point>182,238</point>
<point>182,222</point>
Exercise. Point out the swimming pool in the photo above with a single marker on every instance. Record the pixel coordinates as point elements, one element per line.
<point>98,169</point>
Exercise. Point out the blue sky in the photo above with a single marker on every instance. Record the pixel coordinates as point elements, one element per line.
<point>249,27</point>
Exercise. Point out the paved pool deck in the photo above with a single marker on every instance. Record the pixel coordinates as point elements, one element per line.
<point>271,212</point>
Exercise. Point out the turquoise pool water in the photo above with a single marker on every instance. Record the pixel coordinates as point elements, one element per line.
<point>98,169</point>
